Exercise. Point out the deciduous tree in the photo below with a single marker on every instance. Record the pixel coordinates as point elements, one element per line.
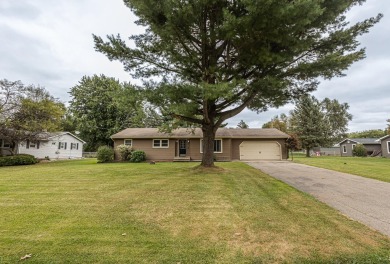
<point>204,62</point>
<point>277,122</point>
<point>372,133</point>
<point>102,106</point>
<point>26,112</point>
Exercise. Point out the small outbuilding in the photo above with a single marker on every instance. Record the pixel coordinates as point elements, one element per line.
<point>372,145</point>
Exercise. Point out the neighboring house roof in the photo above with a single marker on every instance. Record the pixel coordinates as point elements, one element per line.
<point>51,135</point>
<point>364,141</point>
<point>197,133</point>
<point>383,138</point>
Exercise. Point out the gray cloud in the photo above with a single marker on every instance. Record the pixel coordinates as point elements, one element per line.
<point>49,43</point>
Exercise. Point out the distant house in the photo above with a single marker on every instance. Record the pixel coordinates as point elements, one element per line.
<point>372,145</point>
<point>186,144</point>
<point>385,146</point>
<point>57,145</point>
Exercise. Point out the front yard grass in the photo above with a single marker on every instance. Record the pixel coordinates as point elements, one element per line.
<point>83,212</point>
<point>375,168</point>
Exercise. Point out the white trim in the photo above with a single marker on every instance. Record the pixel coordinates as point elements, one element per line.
<point>388,146</point>
<point>128,139</point>
<point>66,133</point>
<point>344,147</point>
<point>160,145</point>
<point>201,146</point>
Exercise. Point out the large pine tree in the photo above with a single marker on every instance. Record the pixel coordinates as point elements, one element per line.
<point>205,61</point>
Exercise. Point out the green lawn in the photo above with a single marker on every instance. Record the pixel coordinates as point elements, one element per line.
<point>83,212</point>
<point>375,168</point>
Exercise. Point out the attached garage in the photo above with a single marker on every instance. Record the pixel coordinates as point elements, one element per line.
<point>260,150</point>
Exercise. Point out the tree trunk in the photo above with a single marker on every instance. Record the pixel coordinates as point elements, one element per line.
<point>208,145</point>
<point>308,152</point>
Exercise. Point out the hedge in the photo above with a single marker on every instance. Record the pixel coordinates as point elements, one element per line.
<point>19,159</point>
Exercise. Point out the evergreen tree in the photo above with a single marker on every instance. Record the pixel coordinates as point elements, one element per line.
<point>204,62</point>
<point>242,124</point>
<point>319,123</point>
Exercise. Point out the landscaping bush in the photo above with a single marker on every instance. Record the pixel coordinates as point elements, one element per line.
<point>105,154</point>
<point>138,156</point>
<point>359,151</point>
<point>124,152</point>
<point>20,159</point>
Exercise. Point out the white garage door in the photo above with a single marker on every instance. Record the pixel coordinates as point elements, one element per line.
<point>260,150</point>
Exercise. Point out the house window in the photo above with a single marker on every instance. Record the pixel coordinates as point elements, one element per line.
<point>32,144</point>
<point>160,143</point>
<point>217,146</point>
<point>62,145</point>
<point>6,144</point>
<point>74,145</point>
<point>128,142</point>
<point>353,146</point>
<point>344,149</point>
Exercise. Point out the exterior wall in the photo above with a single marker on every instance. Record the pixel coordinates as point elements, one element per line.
<point>372,147</point>
<point>50,148</point>
<point>158,154</point>
<point>369,148</point>
<point>168,154</point>
<point>348,147</point>
<point>385,147</point>
<point>4,151</point>
<point>235,146</point>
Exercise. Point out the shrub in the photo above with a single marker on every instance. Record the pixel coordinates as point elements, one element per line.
<point>19,159</point>
<point>359,151</point>
<point>138,156</point>
<point>124,152</point>
<point>105,154</point>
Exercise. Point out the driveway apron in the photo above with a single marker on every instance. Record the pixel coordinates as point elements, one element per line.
<point>362,199</point>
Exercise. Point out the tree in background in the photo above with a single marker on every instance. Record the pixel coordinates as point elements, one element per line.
<point>242,124</point>
<point>27,112</point>
<point>318,123</point>
<point>102,106</point>
<point>277,122</point>
<point>373,133</point>
<point>204,62</point>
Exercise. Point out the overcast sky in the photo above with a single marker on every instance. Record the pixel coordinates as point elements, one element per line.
<point>50,43</point>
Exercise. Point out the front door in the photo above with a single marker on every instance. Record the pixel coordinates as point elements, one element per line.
<point>182,147</point>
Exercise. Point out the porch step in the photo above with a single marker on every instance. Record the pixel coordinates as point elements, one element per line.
<point>182,159</point>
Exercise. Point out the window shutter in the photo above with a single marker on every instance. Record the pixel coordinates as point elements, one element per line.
<point>59,145</point>
<point>27,144</point>
<point>77,145</point>
<point>38,144</point>
<point>65,145</point>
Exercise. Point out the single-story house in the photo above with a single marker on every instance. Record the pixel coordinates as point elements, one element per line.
<point>385,145</point>
<point>372,145</point>
<point>57,145</point>
<point>186,144</point>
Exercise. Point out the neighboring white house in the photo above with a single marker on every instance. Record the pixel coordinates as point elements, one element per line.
<point>57,145</point>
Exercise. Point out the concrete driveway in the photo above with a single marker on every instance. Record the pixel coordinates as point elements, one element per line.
<point>362,199</point>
